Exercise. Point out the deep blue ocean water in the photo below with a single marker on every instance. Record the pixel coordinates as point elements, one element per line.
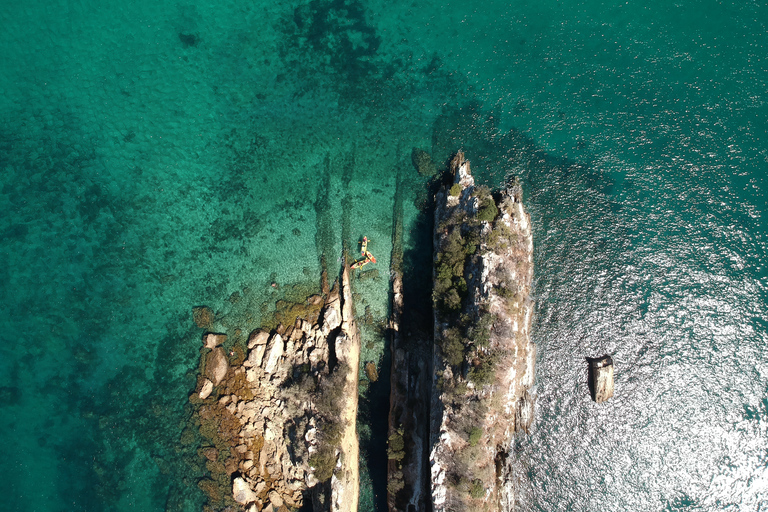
<point>156,156</point>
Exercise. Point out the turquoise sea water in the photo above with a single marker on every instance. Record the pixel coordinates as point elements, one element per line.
<point>157,156</point>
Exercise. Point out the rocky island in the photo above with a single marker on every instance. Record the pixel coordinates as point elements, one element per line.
<point>483,356</point>
<point>459,397</point>
<point>275,412</point>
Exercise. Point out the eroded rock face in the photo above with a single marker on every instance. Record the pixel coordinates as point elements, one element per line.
<point>257,338</point>
<point>275,351</point>
<point>476,412</point>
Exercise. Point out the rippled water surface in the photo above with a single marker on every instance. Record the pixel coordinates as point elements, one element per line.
<point>160,156</point>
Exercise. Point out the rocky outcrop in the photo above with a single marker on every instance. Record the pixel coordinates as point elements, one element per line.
<point>601,378</point>
<point>345,483</point>
<point>262,417</point>
<point>483,356</point>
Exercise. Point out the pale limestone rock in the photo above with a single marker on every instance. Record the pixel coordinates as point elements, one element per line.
<point>602,378</point>
<point>205,392</point>
<point>216,365</point>
<point>275,353</point>
<point>275,499</point>
<point>256,356</point>
<point>331,318</point>
<point>269,434</point>
<point>261,487</point>
<point>242,492</point>
<point>250,411</point>
<point>257,337</point>
<point>213,340</point>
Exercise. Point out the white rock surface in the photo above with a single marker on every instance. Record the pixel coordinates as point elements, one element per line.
<point>216,365</point>
<point>275,353</point>
<point>205,392</point>
<point>242,492</point>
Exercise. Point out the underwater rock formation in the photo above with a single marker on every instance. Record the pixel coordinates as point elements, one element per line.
<point>423,163</point>
<point>278,425</point>
<point>483,360</point>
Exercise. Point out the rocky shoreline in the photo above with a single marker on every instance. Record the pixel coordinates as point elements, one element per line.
<point>276,412</point>
<point>278,426</point>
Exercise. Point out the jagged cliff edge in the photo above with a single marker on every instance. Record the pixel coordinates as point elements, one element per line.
<point>474,413</point>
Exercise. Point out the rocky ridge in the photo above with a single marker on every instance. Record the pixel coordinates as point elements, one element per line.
<point>278,424</point>
<point>483,357</point>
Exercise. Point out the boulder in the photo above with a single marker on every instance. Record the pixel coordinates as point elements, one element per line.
<point>256,356</point>
<point>213,340</point>
<point>242,492</point>
<point>257,337</point>
<point>275,499</point>
<point>216,365</point>
<point>601,378</point>
<point>206,390</point>
<point>275,351</point>
<point>331,318</point>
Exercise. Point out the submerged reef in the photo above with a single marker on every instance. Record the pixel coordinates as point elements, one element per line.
<point>277,416</point>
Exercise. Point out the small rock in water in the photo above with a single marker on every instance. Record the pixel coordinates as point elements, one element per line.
<point>601,378</point>
<point>371,371</point>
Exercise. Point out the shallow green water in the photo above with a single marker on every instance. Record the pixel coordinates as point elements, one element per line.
<point>159,156</point>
